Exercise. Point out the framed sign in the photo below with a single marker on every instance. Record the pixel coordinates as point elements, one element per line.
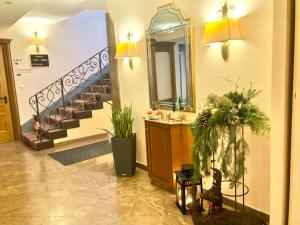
<point>39,60</point>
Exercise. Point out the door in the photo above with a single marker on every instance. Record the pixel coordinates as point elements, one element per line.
<point>159,153</point>
<point>6,129</point>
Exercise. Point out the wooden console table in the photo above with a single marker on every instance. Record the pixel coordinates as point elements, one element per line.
<point>169,145</point>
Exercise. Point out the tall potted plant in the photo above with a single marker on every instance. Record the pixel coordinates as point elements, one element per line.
<point>123,141</point>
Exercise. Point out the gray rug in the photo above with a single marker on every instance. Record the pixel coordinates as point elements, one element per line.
<point>82,153</point>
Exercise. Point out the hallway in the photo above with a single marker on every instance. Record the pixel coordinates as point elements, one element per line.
<point>37,190</point>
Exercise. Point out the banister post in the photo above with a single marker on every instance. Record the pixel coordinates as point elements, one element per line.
<point>100,65</point>
<point>39,130</point>
<point>63,94</point>
<point>37,108</point>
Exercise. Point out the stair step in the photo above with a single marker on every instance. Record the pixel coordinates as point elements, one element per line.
<point>75,113</point>
<point>31,140</point>
<point>47,127</point>
<point>106,97</point>
<point>69,124</point>
<point>78,104</point>
<point>62,122</point>
<point>100,89</point>
<point>43,144</point>
<point>56,134</point>
<point>106,81</point>
<point>66,112</point>
<point>82,114</point>
<point>53,121</point>
<point>87,105</point>
<point>53,132</point>
<point>93,105</point>
<point>90,96</point>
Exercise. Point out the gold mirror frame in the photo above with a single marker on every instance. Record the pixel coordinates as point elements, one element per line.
<point>186,23</point>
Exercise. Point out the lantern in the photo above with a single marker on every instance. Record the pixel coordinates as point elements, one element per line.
<point>184,183</point>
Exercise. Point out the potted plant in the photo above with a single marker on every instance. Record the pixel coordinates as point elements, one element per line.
<point>219,130</point>
<point>123,141</point>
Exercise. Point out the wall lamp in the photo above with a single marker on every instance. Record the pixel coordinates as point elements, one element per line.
<point>223,31</point>
<point>36,41</point>
<point>127,50</point>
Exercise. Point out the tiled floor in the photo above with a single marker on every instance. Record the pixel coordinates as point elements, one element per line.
<point>37,190</point>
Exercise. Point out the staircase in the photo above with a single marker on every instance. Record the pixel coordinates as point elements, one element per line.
<point>62,104</point>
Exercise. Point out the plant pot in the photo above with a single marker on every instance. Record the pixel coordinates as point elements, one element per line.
<point>124,152</point>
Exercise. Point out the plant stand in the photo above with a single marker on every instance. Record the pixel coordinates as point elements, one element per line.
<point>219,128</point>
<point>236,182</point>
<point>227,217</point>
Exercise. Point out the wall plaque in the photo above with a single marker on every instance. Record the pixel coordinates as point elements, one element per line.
<point>39,60</point>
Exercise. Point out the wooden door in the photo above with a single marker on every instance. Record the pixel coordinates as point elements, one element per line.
<point>6,129</point>
<point>159,153</point>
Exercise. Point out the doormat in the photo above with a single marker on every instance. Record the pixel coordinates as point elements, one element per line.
<point>82,153</point>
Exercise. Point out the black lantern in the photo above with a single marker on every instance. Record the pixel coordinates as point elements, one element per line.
<point>184,183</point>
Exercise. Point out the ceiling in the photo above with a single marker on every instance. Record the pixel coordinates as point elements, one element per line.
<point>43,11</point>
<point>54,11</point>
<point>12,10</point>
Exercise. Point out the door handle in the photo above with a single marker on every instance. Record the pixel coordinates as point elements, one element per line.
<point>4,98</point>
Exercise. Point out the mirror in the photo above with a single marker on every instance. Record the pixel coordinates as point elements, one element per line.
<point>169,60</point>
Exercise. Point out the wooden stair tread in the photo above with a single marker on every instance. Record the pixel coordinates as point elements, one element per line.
<point>30,138</point>
<point>60,118</point>
<point>79,101</point>
<point>48,127</point>
<point>31,135</point>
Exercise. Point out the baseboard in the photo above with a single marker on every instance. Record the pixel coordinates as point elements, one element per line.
<point>103,136</point>
<point>229,202</point>
<point>141,166</point>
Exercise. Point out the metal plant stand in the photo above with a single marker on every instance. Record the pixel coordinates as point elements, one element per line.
<point>236,182</point>
<point>229,217</point>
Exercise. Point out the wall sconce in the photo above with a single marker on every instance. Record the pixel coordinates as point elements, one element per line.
<point>223,31</point>
<point>36,41</point>
<point>127,50</point>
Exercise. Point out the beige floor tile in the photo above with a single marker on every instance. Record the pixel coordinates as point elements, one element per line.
<point>37,190</point>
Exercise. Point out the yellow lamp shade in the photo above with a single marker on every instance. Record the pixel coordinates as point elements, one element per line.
<point>127,49</point>
<point>221,31</point>
<point>36,39</point>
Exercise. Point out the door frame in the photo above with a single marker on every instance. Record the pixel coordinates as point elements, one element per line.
<point>11,88</point>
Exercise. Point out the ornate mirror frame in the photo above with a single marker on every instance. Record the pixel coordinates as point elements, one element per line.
<point>186,23</point>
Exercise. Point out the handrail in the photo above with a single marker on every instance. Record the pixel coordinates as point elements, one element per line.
<point>59,93</point>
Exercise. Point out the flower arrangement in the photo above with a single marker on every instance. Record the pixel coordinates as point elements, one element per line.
<point>219,127</point>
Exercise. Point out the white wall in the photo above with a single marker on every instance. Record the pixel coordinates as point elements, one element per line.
<point>68,44</point>
<point>250,61</point>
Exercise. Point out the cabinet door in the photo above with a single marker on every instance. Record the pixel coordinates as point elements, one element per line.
<point>159,153</point>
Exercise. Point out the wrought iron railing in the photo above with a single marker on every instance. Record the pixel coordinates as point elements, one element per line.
<point>59,93</point>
